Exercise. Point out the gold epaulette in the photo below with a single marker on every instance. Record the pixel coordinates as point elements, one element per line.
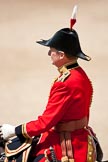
<point>64,74</point>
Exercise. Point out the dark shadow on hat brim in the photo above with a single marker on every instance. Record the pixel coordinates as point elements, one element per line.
<point>83,56</point>
<point>79,55</point>
<point>44,42</point>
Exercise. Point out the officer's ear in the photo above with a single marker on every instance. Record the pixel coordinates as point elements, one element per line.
<point>62,55</point>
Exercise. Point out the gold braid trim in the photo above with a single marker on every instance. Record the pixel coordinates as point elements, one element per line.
<point>91,155</point>
<point>26,154</point>
<point>92,92</point>
<point>6,160</point>
<point>24,131</point>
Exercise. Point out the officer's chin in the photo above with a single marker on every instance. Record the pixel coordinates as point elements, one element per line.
<point>55,63</point>
<point>52,62</point>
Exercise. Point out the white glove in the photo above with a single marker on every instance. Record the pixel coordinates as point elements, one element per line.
<point>7,131</point>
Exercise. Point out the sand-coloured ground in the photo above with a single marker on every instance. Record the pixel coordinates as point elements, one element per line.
<point>26,73</point>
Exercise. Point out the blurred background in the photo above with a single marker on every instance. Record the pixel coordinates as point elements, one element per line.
<point>26,73</point>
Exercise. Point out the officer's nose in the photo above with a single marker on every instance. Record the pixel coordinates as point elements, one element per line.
<point>49,53</point>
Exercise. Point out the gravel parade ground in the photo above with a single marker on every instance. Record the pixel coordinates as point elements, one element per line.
<point>26,73</point>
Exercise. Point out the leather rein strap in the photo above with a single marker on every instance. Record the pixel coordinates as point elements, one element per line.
<point>65,130</point>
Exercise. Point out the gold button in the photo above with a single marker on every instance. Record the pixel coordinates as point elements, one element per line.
<point>90,142</point>
<point>90,153</point>
<point>90,158</point>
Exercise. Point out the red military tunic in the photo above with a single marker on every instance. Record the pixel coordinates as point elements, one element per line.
<point>70,98</point>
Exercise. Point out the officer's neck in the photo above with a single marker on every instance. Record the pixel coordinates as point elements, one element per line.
<point>69,62</point>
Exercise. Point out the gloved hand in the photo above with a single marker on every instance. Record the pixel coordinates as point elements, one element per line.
<point>7,131</point>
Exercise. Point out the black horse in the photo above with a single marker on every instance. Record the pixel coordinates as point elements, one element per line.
<point>2,152</point>
<point>23,147</point>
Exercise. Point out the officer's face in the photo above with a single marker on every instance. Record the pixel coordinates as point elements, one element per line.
<point>56,57</point>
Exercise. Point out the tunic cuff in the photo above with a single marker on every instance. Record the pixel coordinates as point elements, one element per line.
<point>21,131</point>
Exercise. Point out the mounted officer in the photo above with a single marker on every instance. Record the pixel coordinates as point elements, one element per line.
<point>63,125</point>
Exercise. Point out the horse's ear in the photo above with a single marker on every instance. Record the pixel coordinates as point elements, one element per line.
<point>2,146</point>
<point>2,154</point>
<point>2,143</point>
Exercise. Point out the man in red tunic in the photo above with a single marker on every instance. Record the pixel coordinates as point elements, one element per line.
<point>64,123</point>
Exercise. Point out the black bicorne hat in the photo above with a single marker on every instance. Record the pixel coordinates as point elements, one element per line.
<point>66,40</point>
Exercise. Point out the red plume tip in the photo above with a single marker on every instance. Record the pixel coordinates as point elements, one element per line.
<point>72,22</point>
<point>73,17</point>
